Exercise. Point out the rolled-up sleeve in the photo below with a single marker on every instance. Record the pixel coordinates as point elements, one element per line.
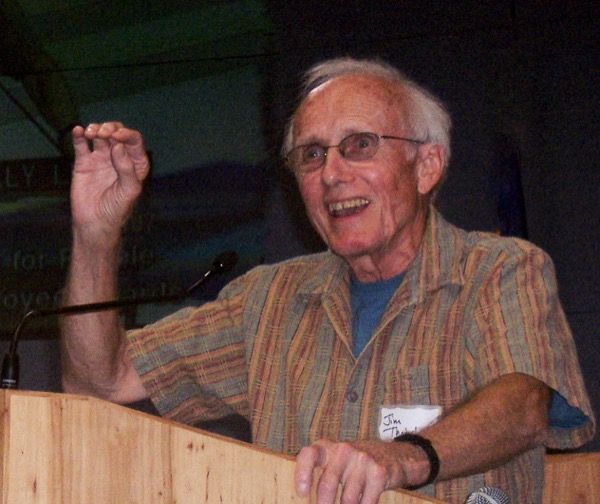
<point>193,363</point>
<point>520,326</point>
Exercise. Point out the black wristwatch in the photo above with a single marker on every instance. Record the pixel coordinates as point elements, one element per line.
<point>427,447</point>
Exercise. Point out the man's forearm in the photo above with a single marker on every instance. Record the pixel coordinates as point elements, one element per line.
<point>110,167</point>
<point>91,345</point>
<point>504,419</point>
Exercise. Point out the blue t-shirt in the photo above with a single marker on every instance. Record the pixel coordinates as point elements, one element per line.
<point>369,300</point>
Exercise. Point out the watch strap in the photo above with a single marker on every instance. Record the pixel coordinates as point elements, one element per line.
<point>427,447</point>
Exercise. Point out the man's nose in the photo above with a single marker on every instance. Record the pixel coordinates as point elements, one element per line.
<point>335,168</point>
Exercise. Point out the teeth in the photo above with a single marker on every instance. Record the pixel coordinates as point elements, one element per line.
<point>347,205</point>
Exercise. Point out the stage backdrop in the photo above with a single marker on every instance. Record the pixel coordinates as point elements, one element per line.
<point>206,193</point>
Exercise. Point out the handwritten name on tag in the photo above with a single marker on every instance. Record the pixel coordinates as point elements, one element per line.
<point>396,420</point>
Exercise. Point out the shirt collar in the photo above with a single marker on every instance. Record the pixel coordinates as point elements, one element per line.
<point>437,264</point>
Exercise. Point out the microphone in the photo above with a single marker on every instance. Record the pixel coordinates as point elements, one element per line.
<point>488,495</point>
<point>9,378</point>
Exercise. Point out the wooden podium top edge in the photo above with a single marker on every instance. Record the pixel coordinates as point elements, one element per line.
<point>10,394</point>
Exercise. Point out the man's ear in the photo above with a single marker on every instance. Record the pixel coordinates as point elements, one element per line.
<point>430,167</point>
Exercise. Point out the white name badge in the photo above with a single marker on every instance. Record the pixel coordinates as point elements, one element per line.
<point>398,419</point>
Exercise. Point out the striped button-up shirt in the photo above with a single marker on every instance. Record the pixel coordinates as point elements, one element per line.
<point>276,347</point>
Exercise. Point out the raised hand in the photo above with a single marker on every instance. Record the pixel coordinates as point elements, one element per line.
<point>110,167</point>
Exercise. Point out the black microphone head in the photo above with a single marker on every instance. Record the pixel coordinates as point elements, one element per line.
<point>10,371</point>
<point>225,261</point>
<point>222,264</point>
<point>488,495</point>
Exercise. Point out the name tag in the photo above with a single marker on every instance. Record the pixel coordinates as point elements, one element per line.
<point>396,420</point>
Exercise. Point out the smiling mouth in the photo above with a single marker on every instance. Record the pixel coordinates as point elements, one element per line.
<point>348,207</point>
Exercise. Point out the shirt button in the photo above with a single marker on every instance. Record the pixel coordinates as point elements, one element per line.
<point>351,396</point>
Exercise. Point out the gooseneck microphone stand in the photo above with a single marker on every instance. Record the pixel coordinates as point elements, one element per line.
<point>10,365</point>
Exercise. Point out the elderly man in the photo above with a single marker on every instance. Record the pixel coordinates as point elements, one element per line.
<point>411,354</point>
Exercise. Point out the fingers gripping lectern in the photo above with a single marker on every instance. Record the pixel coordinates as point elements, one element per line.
<point>66,449</point>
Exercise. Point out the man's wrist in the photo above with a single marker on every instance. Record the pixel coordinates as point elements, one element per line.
<point>429,450</point>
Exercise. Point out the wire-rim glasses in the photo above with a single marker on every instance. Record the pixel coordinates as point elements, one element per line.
<point>355,147</point>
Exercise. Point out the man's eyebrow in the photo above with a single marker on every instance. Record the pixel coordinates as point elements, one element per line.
<point>346,132</point>
<point>311,140</point>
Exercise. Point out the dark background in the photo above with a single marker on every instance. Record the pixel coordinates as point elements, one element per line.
<point>521,80</point>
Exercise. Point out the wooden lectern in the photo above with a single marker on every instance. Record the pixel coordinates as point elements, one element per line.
<point>66,449</point>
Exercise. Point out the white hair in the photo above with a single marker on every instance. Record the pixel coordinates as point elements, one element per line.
<point>426,116</point>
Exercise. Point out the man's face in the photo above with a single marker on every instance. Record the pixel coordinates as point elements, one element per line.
<point>369,209</point>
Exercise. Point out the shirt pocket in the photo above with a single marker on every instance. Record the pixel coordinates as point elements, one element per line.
<point>424,385</point>
<point>408,386</point>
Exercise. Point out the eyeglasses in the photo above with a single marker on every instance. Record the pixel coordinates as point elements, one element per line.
<point>356,147</point>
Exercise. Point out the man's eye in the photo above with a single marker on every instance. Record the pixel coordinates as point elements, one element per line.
<point>363,142</point>
<point>312,153</point>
